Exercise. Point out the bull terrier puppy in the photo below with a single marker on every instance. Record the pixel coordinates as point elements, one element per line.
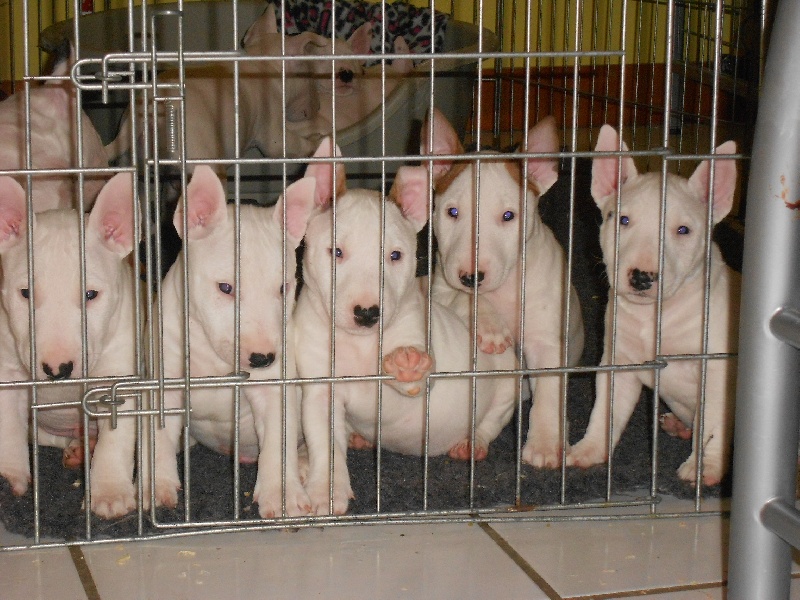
<point>499,266</point>
<point>360,315</point>
<point>635,278</point>
<point>57,296</point>
<point>209,240</point>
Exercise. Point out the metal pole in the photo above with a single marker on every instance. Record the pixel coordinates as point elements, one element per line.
<point>765,455</point>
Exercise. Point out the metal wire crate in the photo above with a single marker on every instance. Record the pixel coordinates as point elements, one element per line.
<point>677,78</point>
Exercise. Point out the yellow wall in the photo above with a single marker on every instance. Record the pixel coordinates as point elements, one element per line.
<point>552,27</point>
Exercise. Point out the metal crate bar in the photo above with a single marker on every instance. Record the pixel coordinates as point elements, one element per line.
<point>767,410</point>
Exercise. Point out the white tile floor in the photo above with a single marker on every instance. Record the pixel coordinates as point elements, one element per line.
<point>673,559</point>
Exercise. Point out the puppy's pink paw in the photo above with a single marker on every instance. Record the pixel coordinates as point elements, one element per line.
<point>494,338</point>
<point>542,455</point>
<point>712,471</point>
<point>167,493</point>
<point>19,479</point>
<point>359,442</point>
<point>320,499</point>
<point>270,502</point>
<point>675,427</point>
<point>409,367</point>
<point>73,457</point>
<point>463,451</point>
<point>585,454</point>
<point>113,499</point>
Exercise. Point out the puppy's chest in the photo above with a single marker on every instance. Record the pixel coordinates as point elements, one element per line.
<point>354,356</point>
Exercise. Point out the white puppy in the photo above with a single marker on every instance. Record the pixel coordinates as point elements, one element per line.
<point>57,293</point>
<point>54,143</point>
<point>359,311</point>
<point>209,241</point>
<point>636,275</point>
<point>499,264</point>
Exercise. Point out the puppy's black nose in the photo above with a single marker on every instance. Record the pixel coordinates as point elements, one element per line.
<point>260,361</point>
<point>64,371</point>
<point>366,317</point>
<point>469,280</point>
<point>346,75</point>
<point>642,280</point>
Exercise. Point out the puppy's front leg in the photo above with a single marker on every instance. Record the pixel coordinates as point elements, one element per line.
<point>268,416</point>
<point>593,448</point>
<point>113,493</point>
<point>316,415</point>
<point>14,462</point>
<point>407,360</point>
<point>166,440</point>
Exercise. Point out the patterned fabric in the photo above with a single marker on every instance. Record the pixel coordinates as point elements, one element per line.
<point>413,23</point>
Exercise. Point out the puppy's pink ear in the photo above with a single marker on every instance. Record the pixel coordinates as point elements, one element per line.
<point>112,218</point>
<point>265,24</point>
<point>298,203</point>
<point>205,202</point>
<point>605,171</point>
<point>401,65</point>
<point>361,39</point>
<point>543,137</point>
<point>410,192</point>
<point>724,181</point>
<point>445,141</point>
<point>323,173</point>
<point>13,213</point>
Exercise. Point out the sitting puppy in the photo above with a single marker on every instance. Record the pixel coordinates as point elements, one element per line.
<point>54,143</point>
<point>57,297</point>
<point>635,278</point>
<point>360,351</point>
<point>499,263</point>
<point>209,241</point>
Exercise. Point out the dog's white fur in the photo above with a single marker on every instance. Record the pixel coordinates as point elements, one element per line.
<point>209,241</point>
<point>500,262</point>
<point>110,321</point>
<point>54,143</point>
<point>358,277</point>
<point>683,281</point>
<point>209,112</point>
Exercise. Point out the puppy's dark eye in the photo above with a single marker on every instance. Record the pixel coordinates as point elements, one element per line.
<point>225,288</point>
<point>25,293</point>
<point>508,216</point>
<point>683,230</point>
<point>91,294</point>
<point>339,252</point>
<point>452,212</point>
<point>396,255</point>
<point>623,220</point>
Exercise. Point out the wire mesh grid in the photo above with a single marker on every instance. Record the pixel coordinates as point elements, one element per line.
<point>676,78</point>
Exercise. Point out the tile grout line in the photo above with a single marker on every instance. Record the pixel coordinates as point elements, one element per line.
<point>84,573</point>
<point>639,593</point>
<point>515,556</point>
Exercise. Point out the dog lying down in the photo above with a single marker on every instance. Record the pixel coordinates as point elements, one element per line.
<point>54,143</point>
<point>635,279</point>
<point>263,291</point>
<point>209,92</point>
<point>359,317</point>
<point>57,295</point>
